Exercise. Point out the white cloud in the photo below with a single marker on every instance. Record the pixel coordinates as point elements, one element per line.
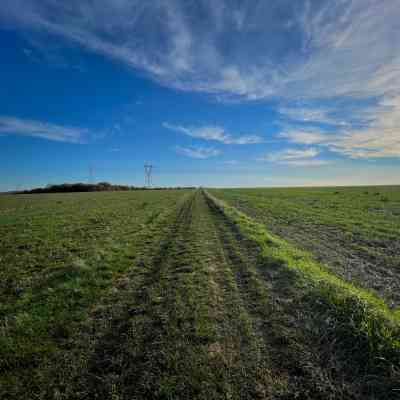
<point>197,152</point>
<point>215,133</point>
<point>314,49</point>
<point>295,157</point>
<point>312,115</point>
<point>292,154</point>
<point>303,114</point>
<point>304,136</point>
<point>380,138</point>
<point>307,163</point>
<point>44,130</point>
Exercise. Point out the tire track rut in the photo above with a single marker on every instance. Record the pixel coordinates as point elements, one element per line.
<point>183,331</point>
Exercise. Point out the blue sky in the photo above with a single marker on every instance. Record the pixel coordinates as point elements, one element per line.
<point>213,93</point>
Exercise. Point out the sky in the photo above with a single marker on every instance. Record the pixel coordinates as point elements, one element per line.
<point>211,92</point>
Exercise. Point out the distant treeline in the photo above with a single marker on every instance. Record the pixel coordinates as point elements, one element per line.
<point>94,187</point>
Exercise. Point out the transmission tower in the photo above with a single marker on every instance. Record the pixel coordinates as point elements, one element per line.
<point>148,170</point>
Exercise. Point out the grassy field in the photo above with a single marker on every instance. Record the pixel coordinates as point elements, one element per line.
<point>354,231</point>
<point>59,254</point>
<point>192,295</point>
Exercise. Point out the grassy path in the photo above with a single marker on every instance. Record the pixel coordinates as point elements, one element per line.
<point>206,317</point>
<point>183,331</point>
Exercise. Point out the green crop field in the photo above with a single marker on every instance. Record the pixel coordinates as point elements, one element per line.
<point>201,294</point>
<point>355,232</point>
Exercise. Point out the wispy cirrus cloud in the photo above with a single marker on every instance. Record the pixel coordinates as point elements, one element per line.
<point>43,130</point>
<point>308,50</point>
<point>197,152</point>
<point>298,51</point>
<point>292,154</point>
<point>379,137</point>
<point>312,115</point>
<point>307,163</point>
<point>295,157</point>
<point>215,133</point>
<point>304,135</point>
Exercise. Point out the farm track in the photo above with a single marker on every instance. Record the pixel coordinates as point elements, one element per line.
<point>183,332</point>
<point>203,319</point>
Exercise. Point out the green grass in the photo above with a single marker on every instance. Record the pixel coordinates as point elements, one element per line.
<point>355,232</point>
<point>59,255</point>
<point>177,294</point>
<point>355,316</point>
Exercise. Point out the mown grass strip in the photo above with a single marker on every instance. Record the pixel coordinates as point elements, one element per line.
<point>358,318</point>
<point>177,331</point>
